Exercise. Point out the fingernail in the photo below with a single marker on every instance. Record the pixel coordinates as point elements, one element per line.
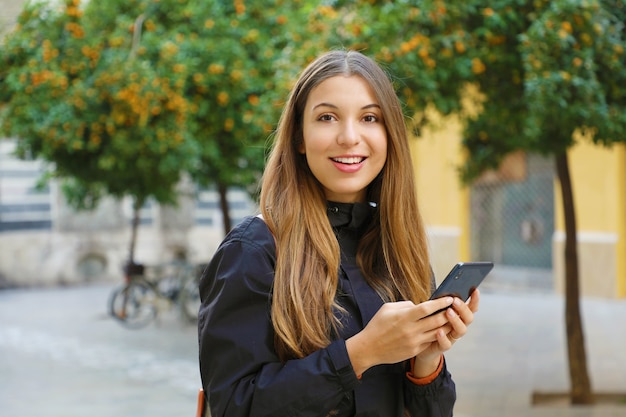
<point>457,302</point>
<point>451,313</point>
<point>450,300</point>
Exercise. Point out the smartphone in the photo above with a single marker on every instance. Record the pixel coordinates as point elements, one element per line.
<point>462,280</point>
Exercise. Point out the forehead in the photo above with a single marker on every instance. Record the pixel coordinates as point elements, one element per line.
<point>343,88</point>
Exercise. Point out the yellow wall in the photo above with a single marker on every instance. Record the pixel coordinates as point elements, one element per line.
<point>621,221</point>
<point>598,177</point>
<point>444,202</point>
<point>593,173</point>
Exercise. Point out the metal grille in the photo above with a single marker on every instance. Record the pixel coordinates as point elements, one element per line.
<point>512,220</point>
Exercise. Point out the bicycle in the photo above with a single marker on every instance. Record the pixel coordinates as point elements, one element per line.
<point>150,290</point>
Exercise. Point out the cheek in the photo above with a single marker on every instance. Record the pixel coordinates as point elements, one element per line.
<point>310,143</point>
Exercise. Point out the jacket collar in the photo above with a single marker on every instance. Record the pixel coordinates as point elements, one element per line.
<point>349,215</point>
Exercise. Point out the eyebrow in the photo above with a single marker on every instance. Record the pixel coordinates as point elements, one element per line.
<point>368,106</point>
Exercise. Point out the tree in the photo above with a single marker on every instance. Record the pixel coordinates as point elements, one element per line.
<point>147,86</point>
<point>575,80</point>
<point>78,94</point>
<point>230,49</point>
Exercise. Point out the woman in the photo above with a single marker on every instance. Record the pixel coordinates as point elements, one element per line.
<point>318,307</point>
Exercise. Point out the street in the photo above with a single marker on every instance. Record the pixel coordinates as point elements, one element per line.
<point>62,356</point>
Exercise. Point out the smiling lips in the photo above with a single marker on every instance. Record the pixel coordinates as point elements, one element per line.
<point>348,164</point>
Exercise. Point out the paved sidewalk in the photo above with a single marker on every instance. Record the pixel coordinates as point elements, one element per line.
<point>517,346</point>
<point>61,356</point>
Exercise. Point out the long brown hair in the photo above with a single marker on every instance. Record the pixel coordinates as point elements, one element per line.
<point>393,252</point>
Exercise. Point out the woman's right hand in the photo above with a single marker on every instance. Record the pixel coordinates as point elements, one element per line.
<point>397,332</point>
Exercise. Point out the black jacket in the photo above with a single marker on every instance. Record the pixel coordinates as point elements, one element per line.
<point>241,373</point>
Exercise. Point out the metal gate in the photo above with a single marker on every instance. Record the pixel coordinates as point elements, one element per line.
<point>512,213</point>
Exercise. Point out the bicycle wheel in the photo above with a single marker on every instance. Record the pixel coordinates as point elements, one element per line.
<point>189,298</point>
<point>134,305</point>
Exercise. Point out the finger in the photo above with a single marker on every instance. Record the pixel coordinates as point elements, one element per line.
<point>474,301</point>
<point>397,306</point>
<point>428,308</point>
<point>452,338</point>
<point>444,340</point>
<point>459,328</point>
<point>463,310</point>
<point>433,335</point>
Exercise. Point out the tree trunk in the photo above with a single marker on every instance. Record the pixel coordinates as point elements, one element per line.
<point>222,190</point>
<point>137,204</point>
<point>579,376</point>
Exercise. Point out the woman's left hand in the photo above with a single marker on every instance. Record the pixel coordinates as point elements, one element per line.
<point>460,315</point>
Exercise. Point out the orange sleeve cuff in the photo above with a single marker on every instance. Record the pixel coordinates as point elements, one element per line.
<point>427,379</point>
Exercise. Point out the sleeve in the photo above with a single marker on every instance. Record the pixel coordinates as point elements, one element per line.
<point>241,373</point>
<point>435,399</point>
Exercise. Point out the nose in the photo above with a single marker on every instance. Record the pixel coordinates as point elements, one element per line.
<point>349,134</point>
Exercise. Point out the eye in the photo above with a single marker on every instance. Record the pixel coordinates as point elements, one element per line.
<point>370,118</point>
<point>326,118</point>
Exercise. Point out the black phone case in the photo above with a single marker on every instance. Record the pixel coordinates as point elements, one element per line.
<point>463,279</point>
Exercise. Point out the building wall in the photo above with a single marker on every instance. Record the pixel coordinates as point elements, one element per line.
<point>444,201</point>
<point>43,241</point>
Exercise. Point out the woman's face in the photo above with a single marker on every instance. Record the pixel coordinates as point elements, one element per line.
<point>345,141</point>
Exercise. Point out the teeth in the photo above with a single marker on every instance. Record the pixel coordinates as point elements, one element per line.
<point>349,160</point>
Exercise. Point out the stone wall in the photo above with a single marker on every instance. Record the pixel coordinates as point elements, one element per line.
<point>9,10</point>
